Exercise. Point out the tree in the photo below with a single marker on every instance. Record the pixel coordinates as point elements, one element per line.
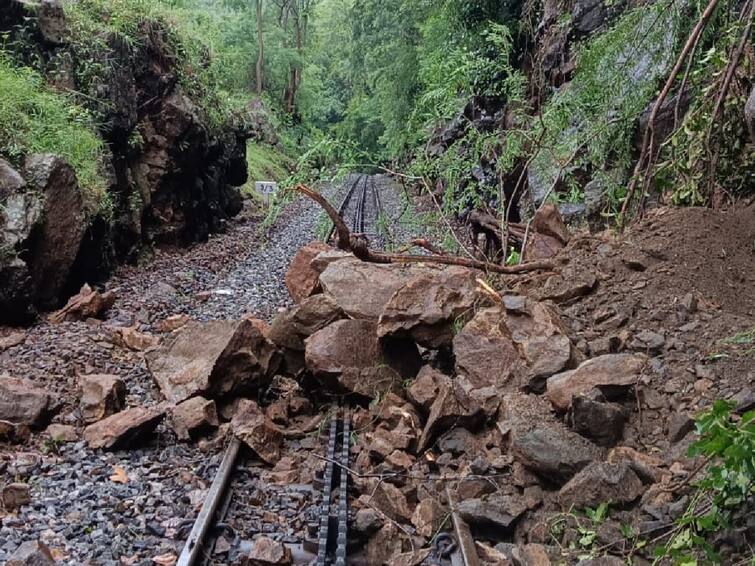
<point>261,55</point>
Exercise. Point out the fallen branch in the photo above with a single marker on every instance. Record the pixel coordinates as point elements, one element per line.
<point>648,137</point>
<point>358,245</point>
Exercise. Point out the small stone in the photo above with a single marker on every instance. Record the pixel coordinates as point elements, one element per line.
<point>367,522</point>
<point>101,396</point>
<point>600,482</point>
<point>31,553</point>
<point>256,430</point>
<point>679,426</point>
<point>267,552</point>
<point>15,496</point>
<point>193,417</point>
<point>123,429</point>
<point>497,511</point>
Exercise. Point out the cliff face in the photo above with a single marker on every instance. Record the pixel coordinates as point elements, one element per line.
<point>171,173</point>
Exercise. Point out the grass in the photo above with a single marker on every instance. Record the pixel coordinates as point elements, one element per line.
<point>34,119</point>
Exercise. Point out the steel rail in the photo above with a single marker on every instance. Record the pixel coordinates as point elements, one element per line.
<point>192,550</point>
<point>343,206</point>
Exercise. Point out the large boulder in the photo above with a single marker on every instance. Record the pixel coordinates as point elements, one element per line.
<point>55,243</point>
<point>213,358</point>
<point>363,289</point>
<point>21,402</point>
<point>428,306</point>
<point>124,429</point>
<point>291,328</point>
<point>497,511</point>
<point>613,374</point>
<point>302,278</point>
<point>350,352</point>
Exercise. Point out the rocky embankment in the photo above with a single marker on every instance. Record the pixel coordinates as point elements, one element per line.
<point>171,173</point>
<point>527,404</point>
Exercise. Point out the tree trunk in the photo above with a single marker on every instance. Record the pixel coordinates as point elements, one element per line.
<point>261,58</point>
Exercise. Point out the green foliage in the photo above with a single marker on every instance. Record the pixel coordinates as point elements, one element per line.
<point>33,119</point>
<point>705,155</point>
<point>194,32</point>
<point>593,119</point>
<point>728,442</point>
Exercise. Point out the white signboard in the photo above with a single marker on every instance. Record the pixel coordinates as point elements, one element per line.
<point>266,189</point>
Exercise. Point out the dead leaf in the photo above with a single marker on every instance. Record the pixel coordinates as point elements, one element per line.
<point>58,555</point>
<point>165,559</point>
<point>119,475</point>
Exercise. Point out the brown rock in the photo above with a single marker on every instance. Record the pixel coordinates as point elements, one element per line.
<point>496,511</point>
<point>290,328</point>
<point>428,306</point>
<point>349,351</point>
<point>597,420</point>
<point>21,402</point>
<point>453,407</point>
<point>123,429</point>
<point>388,499</point>
<point>252,427</point>
<point>384,547</point>
<point>11,340</point>
<point>367,521</point>
<point>548,221</point>
<point>612,374</point>
<point>134,340</point>
<point>647,468</point>
<point>561,288</point>
<point>428,517</point>
<point>267,552</point>
<point>194,417</point>
<point>541,246</point>
<point>214,358</point>
<point>362,289</point>
<point>540,336</point>
<point>173,323</point>
<point>15,495</point>
<point>424,389</point>
<point>485,352</point>
<point>101,396</point>
<point>14,433</point>
<point>87,304</point>
<point>600,482</point>
<point>302,279</point>
<point>31,553</point>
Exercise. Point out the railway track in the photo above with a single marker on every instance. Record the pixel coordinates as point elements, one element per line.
<point>324,540</point>
<point>361,208</point>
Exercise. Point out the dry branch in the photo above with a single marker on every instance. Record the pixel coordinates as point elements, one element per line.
<point>358,245</point>
<point>648,136</point>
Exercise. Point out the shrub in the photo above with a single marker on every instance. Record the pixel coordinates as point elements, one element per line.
<point>34,119</point>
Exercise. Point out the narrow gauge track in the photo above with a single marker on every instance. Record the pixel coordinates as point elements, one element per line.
<point>361,208</point>
<point>323,542</point>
